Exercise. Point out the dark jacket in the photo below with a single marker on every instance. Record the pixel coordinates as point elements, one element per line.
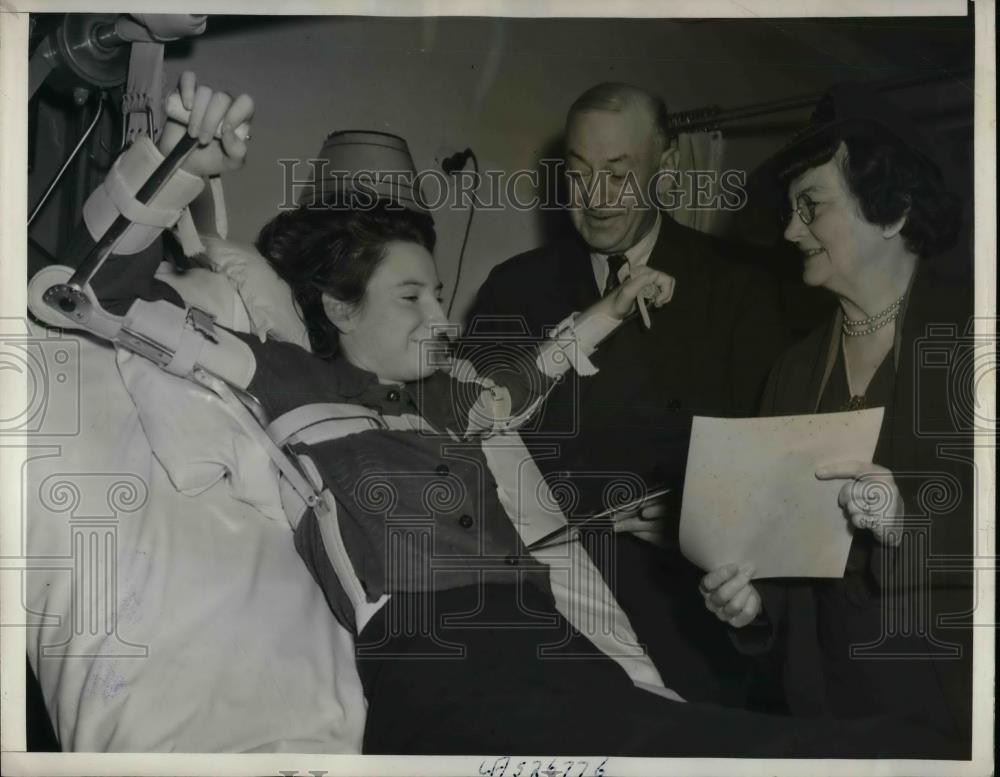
<point>708,353</point>
<point>602,437</point>
<point>873,642</point>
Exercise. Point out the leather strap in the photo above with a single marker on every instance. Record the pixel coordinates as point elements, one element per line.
<point>128,206</point>
<point>142,104</point>
<point>294,421</point>
<point>187,352</point>
<point>250,425</point>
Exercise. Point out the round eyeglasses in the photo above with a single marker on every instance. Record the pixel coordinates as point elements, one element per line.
<point>804,207</point>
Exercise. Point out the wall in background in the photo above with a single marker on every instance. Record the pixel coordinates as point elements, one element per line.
<point>502,86</point>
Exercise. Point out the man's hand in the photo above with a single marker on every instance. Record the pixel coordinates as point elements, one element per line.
<point>729,594</point>
<point>645,521</point>
<point>870,498</point>
<point>201,113</point>
<point>654,286</point>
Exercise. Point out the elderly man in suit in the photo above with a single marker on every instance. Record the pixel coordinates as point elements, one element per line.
<point>707,353</point>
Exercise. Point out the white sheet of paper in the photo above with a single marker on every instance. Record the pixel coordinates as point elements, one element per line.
<point>751,495</point>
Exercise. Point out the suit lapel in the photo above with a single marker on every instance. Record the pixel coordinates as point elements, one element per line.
<point>669,249</point>
<point>928,398</point>
<point>671,255</point>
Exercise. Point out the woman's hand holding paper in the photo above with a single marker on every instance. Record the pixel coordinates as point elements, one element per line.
<point>729,594</point>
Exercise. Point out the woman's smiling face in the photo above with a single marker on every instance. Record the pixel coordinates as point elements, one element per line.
<point>839,245</point>
<point>390,332</point>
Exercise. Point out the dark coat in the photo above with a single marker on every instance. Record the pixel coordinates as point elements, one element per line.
<point>872,642</point>
<point>708,353</point>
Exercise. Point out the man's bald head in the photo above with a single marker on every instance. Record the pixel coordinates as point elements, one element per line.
<point>620,97</point>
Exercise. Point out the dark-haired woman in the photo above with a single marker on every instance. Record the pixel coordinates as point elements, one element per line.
<point>460,644</point>
<point>869,213</point>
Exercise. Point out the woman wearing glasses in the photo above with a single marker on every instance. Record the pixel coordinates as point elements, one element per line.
<point>870,215</point>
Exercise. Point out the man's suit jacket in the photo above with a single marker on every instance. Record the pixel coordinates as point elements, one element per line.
<point>599,438</point>
<point>708,353</point>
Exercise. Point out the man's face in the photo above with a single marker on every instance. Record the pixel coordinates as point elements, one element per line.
<point>611,156</point>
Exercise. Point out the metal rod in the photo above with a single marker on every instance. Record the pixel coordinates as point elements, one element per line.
<point>69,160</point>
<point>709,118</point>
<point>465,239</point>
<point>106,36</point>
<point>946,118</point>
<point>96,256</point>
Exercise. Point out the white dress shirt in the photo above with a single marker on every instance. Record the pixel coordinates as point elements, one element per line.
<point>637,256</point>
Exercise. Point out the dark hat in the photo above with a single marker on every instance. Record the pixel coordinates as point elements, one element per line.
<point>358,167</point>
<point>848,110</point>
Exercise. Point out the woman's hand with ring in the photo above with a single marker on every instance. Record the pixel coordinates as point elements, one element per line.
<point>220,123</point>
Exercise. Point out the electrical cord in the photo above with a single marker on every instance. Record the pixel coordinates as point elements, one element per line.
<point>468,224</point>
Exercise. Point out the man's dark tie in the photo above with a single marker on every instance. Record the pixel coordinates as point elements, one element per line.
<point>615,263</point>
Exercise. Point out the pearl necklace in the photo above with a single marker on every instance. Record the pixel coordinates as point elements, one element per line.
<point>858,327</point>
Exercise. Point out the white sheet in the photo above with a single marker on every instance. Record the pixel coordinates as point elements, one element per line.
<point>218,639</point>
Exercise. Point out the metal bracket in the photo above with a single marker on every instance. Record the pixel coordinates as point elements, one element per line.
<point>69,301</point>
<point>202,322</point>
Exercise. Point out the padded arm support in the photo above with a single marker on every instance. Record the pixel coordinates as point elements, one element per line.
<point>223,354</point>
<point>116,196</point>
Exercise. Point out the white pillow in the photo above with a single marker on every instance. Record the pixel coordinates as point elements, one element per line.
<point>266,297</point>
<point>197,440</point>
<point>190,430</point>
